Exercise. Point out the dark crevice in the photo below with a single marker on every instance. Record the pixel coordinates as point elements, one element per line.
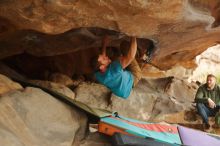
<point>6,26</point>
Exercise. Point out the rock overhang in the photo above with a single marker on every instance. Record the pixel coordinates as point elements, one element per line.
<point>179,29</point>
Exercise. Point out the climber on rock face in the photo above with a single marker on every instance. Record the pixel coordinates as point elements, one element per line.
<point>208,100</point>
<point>118,75</point>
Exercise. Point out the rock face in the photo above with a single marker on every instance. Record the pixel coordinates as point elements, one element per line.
<point>59,16</point>
<point>180,29</point>
<point>150,99</point>
<point>32,117</point>
<point>55,87</point>
<point>61,36</point>
<point>96,139</point>
<point>6,85</point>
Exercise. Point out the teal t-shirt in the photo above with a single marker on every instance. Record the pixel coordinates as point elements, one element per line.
<point>118,80</point>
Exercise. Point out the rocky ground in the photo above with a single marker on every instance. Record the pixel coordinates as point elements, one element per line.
<point>30,116</point>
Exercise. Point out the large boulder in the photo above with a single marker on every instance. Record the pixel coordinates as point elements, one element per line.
<point>150,99</point>
<point>33,117</point>
<point>7,85</point>
<point>93,94</point>
<point>55,87</point>
<point>180,29</point>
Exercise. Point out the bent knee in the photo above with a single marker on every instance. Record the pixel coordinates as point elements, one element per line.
<point>200,105</point>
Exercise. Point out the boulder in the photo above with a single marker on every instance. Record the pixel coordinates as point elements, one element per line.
<point>151,98</point>
<point>93,94</point>
<point>55,87</point>
<point>33,117</point>
<point>96,139</point>
<point>7,85</point>
<point>180,29</point>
